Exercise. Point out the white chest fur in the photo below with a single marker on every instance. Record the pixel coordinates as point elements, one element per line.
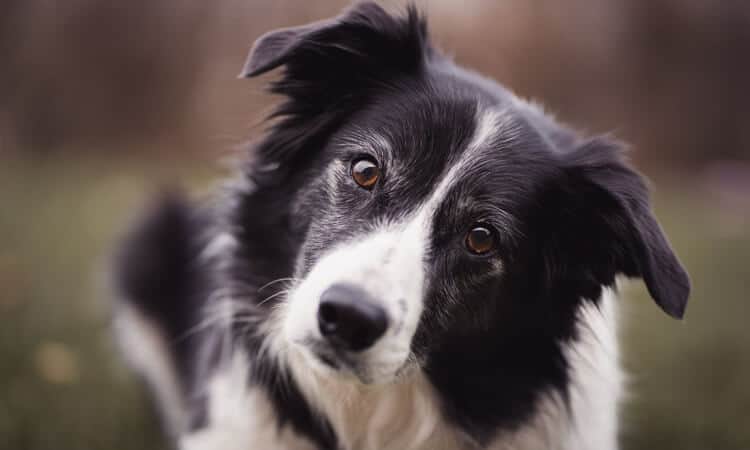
<point>401,415</point>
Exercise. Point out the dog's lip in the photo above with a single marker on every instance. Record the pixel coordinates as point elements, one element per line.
<point>330,357</point>
<point>340,361</point>
<point>329,360</point>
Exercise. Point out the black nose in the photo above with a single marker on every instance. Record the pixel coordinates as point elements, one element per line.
<point>349,318</point>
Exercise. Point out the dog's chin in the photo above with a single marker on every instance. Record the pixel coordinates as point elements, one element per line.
<point>328,365</point>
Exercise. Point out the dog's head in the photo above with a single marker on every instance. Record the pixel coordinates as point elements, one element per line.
<point>430,216</point>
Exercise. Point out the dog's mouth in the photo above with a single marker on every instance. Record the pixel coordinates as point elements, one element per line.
<point>328,356</point>
<point>328,360</point>
<point>334,360</point>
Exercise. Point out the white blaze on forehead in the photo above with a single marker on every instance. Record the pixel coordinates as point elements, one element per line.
<point>487,125</point>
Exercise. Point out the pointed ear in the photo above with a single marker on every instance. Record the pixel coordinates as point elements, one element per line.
<point>364,31</point>
<point>620,233</point>
<point>273,48</point>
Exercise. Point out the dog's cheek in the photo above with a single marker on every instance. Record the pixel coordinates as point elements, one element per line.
<point>458,304</point>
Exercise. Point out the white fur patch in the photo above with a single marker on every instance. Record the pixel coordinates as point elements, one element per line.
<point>221,244</point>
<point>240,417</point>
<point>145,350</point>
<point>596,386</point>
<point>405,414</point>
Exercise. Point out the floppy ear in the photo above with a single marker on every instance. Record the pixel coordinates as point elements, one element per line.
<point>607,209</point>
<point>331,68</point>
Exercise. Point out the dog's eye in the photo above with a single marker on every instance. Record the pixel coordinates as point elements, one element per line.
<point>365,172</point>
<point>480,240</point>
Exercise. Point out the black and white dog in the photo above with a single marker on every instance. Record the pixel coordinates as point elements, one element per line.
<point>413,258</point>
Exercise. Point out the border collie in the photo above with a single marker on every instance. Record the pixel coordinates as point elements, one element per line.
<point>411,258</point>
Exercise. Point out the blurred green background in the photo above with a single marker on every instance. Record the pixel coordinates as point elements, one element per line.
<point>101,104</point>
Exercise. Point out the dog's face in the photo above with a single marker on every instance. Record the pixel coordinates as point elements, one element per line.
<point>436,218</point>
<point>409,222</point>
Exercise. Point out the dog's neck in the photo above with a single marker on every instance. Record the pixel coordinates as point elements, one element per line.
<point>403,414</point>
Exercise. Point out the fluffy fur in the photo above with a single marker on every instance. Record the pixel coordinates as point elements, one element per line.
<point>218,303</point>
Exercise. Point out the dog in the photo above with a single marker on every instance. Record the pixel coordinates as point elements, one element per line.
<point>411,257</point>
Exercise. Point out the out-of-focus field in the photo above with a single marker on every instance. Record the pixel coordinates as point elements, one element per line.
<point>63,387</point>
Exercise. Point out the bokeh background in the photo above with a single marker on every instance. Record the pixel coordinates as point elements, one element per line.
<point>102,103</point>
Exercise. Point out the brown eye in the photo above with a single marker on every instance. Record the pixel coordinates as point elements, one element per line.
<point>365,172</point>
<point>480,240</point>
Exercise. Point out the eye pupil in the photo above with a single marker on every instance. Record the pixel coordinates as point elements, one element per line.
<point>480,240</point>
<point>365,173</point>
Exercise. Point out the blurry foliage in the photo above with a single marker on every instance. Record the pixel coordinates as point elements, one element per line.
<point>670,76</point>
<point>62,382</point>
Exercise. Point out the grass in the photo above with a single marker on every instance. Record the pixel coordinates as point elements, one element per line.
<point>63,387</point>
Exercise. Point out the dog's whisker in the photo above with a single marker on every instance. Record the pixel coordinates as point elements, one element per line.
<point>224,311</point>
<point>205,324</point>
<point>278,280</point>
<point>271,297</point>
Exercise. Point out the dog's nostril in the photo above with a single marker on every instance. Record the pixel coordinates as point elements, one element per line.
<point>349,318</point>
<point>328,318</point>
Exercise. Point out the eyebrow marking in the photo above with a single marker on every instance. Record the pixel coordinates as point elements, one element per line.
<point>487,127</point>
<point>420,224</point>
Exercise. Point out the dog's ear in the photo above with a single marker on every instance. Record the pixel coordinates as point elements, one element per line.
<point>274,48</point>
<point>361,36</point>
<point>605,223</point>
<point>332,67</point>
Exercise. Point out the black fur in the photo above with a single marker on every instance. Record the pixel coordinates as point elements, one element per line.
<point>156,270</point>
<point>570,215</point>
